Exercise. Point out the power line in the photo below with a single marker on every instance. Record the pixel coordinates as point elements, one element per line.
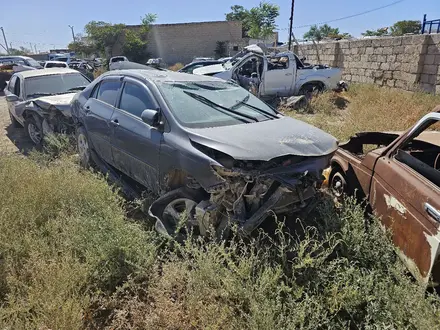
<point>347,17</point>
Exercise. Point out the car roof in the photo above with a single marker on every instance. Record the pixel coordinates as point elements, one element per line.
<point>45,72</point>
<point>58,62</point>
<point>15,56</point>
<point>157,76</point>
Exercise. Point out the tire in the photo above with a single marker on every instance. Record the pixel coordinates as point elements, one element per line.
<point>338,184</point>
<point>14,122</point>
<point>310,90</point>
<point>176,206</point>
<point>34,130</point>
<point>83,145</point>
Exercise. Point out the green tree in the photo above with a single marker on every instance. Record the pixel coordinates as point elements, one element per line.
<point>135,43</point>
<point>376,33</point>
<point>83,45</point>
<point>258,22</point>
<point>324,31</point>
<point>220,49</point>
<point>402,27</point>
<point>104,35</point>
<point>19,52</point>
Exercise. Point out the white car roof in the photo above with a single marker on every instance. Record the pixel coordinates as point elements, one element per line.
<point>45,72</point>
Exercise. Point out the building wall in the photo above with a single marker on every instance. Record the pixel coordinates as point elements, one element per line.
<point>408,62</point>
<point>182,42</point>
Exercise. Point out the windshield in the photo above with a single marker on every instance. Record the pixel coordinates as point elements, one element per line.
<point>54,84</point>
<point>31,62</point>
<point>203,104</point>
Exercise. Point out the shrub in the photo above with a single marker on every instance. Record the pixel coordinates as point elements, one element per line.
<point>70,259</point>
<point>63,241</point>
<point>368,108</point>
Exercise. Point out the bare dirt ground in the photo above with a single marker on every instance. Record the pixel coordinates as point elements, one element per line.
<point>12,140</point>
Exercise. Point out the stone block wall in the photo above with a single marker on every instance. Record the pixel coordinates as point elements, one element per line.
<point>408,62</point>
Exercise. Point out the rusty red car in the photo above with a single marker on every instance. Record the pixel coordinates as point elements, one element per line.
<point>398,174</point>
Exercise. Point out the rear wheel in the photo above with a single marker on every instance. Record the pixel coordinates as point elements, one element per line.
<point>310,90</point>
<point>34,130</point>
<point>83,147</point>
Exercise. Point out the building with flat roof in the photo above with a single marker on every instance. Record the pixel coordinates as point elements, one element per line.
<point>184,41</point>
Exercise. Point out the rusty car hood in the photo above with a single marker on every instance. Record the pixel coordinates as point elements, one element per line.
<point>266,140</point>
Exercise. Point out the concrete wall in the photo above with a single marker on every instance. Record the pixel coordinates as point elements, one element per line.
<point>408,62</point>
<point>182,42</point>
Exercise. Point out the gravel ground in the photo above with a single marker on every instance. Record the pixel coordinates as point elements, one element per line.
<point>12,140</point>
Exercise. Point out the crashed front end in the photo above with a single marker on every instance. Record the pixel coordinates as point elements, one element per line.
<point>253,191</point>
<point>55,112</point>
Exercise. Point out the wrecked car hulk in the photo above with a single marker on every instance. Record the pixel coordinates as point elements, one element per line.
<point>39,100</point>
<point>212,151</point>
<point>398,174</point>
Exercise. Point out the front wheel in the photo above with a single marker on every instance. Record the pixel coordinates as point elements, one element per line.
<point>176,210</point>
<point>338,184</point>
<point>34,130</point>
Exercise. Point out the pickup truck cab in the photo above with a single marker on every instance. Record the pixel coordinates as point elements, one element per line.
<point>278,75</point>
<point>400,180</point>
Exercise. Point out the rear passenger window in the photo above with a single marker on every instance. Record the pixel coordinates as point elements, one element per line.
<point>135,99</point>
<point>108,91</point>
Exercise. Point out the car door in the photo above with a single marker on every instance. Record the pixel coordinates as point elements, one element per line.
<point>98,111</point>
<point>10,90</point>
<point>278,76</point>
<point>136,145</point>
<point>405,193</point>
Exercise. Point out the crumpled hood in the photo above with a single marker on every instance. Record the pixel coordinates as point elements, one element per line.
<point>266,140</point>
<point>209,69</point>
<point>61,102</point>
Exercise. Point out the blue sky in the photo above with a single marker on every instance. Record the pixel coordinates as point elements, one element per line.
<point>45,23</point>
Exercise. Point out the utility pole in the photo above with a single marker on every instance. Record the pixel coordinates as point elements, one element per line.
<point>73,33</point>
<point>291,25</point>
<point>31,50</point>
<point>4,37</point>
<point>35,47</point>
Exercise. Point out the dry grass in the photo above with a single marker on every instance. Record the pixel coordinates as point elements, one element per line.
<point>367,108</point>
<point>176,67</point>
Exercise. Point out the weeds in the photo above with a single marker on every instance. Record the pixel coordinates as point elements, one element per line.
<point>176,67</point>
<point>368,108</point>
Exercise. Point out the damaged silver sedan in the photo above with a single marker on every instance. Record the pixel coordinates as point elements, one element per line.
<point>214,153</point>
<point>39,100</point>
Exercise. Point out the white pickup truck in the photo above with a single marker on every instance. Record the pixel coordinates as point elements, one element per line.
<point>279,75</point>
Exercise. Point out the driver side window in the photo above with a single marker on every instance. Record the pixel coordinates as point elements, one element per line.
<point>135,99</point>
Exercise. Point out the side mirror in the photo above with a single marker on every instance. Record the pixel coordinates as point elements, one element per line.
<point>150,117</point>
<point>12,98</point>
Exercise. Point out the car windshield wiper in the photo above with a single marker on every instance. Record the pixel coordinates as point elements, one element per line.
<point>77,88</point>
<point>263,112</point>
<point>38,95</point>
<point>214,105</point>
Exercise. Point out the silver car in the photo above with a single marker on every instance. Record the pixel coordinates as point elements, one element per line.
<point>39,100</point>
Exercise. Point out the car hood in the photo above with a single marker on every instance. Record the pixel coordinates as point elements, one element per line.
<point>61,102</point>
<point>209,69</point>
<point>266,140</point>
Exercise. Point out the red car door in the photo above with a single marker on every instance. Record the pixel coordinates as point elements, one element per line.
<point>405,194</point>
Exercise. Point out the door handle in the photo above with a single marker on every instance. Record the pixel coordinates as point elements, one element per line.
<point>433,212</point>
<point>115,122</point>
<point>289,74</point>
